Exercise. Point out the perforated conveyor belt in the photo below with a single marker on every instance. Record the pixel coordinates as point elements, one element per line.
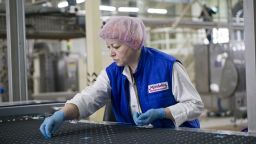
<point>27,132</point>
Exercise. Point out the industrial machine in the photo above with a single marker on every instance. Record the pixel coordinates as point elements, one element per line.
<point>58,71</point>
<point>220,74</point>
<point>48,68</point>
<point>48,23</point>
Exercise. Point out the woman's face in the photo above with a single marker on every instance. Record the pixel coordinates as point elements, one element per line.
<point>121,53</point>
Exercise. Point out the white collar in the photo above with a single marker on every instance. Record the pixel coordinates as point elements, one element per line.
<point>126,72</point>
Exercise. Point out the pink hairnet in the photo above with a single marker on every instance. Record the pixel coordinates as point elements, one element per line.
<point>128,30</point>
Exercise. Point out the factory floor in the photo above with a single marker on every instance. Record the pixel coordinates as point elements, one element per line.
<point>223,123</point>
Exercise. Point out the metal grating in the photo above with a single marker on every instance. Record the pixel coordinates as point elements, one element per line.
<point>27,132</point>
<point>49,26</point>
<point>3,69</point>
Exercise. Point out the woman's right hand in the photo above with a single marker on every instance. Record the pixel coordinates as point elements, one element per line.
<point>52,124</point>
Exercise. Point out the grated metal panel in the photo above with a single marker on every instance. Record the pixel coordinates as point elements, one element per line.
<point>49,26</point>
<point>27,132</point>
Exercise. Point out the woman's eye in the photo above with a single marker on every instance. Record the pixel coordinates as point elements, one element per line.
<point>116,47</point>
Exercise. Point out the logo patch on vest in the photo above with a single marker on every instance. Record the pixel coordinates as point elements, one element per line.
<point>158,87</point>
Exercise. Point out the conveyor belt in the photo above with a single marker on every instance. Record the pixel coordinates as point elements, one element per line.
<point>27,132</point>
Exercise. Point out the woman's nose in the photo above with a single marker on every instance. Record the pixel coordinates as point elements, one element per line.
<point>112,52</point>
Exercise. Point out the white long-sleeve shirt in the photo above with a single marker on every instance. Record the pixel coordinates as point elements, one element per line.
<point>189,104</point>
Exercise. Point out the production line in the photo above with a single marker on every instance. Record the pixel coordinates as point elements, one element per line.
<point>26,131</point>
<point>16,127</point>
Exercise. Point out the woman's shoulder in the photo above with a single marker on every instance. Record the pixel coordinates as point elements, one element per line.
<point>160,55</point>
<point>113,67</point>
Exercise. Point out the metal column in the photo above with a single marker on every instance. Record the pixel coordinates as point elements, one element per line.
<point>250,43</point>
<point>17,77</point>
<point>230,20</point>
<point>93,24</point>
<point>94,52</point>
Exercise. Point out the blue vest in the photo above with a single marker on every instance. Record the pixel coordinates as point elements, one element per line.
<point>154,84</point>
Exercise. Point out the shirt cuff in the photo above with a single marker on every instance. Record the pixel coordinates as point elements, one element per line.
<point>178,113</point>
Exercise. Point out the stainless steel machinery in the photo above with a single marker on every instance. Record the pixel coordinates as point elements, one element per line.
<point>220,74</point>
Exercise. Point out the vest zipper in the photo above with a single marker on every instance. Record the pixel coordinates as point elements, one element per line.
<point>137,96</point>
<point>135,90</point>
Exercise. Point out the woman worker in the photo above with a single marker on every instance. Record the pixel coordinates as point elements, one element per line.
<point>145,86</point>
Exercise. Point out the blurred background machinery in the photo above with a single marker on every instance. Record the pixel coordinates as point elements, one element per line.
<point>48,23</point>
<point>220,78</point>
<point>50,69</point>
<point>54,72</point>
<point>58,71</point>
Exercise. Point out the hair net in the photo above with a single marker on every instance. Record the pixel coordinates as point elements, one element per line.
<point>128,30</point>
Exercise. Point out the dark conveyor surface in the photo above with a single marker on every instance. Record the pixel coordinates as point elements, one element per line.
<point>27,132</point>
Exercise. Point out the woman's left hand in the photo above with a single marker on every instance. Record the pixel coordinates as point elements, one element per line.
<point>150,116</point>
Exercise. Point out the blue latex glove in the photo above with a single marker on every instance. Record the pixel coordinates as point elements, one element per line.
<point>150,116</point>
<point>135,118</point>
<point>51,124</point>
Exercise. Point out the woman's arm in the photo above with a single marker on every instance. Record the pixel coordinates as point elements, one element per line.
<point>90,99</point>
<point>189,105</point>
